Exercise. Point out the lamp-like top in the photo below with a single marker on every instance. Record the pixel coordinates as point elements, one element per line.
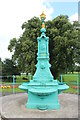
<point>43,15</point>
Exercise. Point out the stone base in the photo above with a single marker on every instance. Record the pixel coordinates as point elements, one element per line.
<point>16,108</point>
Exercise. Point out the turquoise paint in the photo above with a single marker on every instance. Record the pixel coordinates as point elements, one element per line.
<point>43,89</point>
<point>77,84</point>
<point>13,84</point>
<point>42,102</point>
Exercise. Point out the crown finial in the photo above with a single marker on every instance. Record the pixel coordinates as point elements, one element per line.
<point>43,17</point>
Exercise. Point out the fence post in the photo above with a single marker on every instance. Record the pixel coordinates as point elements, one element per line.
<point>77,84</point>
<point>13,84</point>
<point>29,76</point>
<point>61,78</point>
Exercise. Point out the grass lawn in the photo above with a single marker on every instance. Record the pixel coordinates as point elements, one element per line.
<point>19,79</point>
<point>70,90</point>
<point>70,77</point>
<point>71,80</point>
<point>11,90</point>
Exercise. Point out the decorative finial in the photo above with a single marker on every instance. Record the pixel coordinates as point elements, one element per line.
<point>43,17</point>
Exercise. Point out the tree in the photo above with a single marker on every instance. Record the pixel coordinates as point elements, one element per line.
<point>62,44</point>
<point>25,48</point>
<point>9,68</point>
<point>76,25</point>
<point>0,67</point>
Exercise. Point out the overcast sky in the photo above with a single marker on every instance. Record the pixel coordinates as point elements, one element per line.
<point>13,13</point>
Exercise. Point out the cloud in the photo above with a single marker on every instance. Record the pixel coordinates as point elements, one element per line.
<point>73,17</point>
<point>13,13</point>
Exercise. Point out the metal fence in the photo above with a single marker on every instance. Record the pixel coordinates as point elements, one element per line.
<point>13,83</point>
<point>72,82</point>
<point>9,84</point>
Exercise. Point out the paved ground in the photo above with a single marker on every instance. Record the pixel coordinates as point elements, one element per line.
<point>14,106</point>
<point>0,106</point>
<point>8,93</point>
<point>79,106</point>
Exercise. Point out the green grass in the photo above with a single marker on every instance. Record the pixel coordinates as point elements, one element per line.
<point>19,79</point>
<point>69,78</point>
<point>70,90</point>
<point>7,82</point>
<point>11,90</point>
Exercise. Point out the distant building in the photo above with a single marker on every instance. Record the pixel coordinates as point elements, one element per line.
<point>23,74</point>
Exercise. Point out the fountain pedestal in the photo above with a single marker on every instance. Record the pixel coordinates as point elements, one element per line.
<point>43,96</point>
<point>43,89</point>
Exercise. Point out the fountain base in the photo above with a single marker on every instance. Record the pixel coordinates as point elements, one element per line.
<point>43,102</point>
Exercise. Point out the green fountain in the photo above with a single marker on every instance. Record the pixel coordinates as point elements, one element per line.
<point>43,90</point>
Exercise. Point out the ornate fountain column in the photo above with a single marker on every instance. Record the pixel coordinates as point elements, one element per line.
<point>43,89</point>
<point>43,73</point>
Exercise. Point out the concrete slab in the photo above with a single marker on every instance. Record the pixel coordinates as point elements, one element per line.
<point>14,106</point>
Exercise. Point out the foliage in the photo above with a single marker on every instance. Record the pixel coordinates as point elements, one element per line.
<point>9,68</point>
<point>77,48</point>
<point>0,67</point>
<point>25,48</point>
<point>63,41</point>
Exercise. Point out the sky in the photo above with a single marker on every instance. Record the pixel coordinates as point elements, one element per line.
<point>13,13</point>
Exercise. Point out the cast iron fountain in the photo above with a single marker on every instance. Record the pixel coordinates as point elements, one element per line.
<point>43,89</point>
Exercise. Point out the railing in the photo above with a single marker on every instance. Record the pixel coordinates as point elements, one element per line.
<point>29,74</point>
<point>77,83</point>
<point>11,86</point>
<point>14,83</point>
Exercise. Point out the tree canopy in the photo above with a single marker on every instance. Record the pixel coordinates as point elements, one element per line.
<point>63,45</point>
<point>9,68</point>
